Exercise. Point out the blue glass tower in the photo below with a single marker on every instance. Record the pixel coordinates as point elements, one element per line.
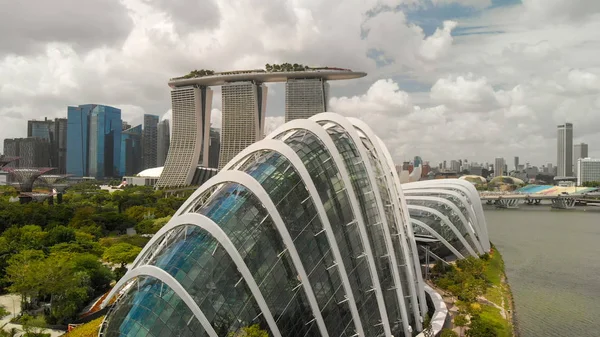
<point>78,119</point>
<point>104,142</point>
<point>131,151</point>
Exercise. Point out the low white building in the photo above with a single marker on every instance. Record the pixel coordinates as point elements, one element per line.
<point>147,177</point>
<point>588,169</point>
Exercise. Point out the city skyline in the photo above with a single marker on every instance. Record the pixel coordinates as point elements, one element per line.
<point>472,78</point>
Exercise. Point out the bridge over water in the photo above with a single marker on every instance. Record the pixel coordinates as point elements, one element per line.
<point>512,200</point>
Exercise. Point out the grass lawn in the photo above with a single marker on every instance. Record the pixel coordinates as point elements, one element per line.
<point>495,268</point>
<point>492,315</point>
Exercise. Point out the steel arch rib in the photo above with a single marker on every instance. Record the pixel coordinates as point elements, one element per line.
<point>324,137</point>
<point>470,191</point>
<point>463,201</point>
<point>458,213</point>
<point>351,131</point>
<point>448,223</point>
<point>172,283</point>
<point>453,185</point>
<point>403,226</point>
<point>437,236</point>
<point>283,149</point>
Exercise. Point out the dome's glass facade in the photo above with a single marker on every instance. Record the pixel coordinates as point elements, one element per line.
<point>305,233</point>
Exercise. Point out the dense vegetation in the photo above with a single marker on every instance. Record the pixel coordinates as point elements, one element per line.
<point>476,283</point>
<point>60,257</point>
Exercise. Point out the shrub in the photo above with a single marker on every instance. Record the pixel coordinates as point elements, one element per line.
<point>448,333</point>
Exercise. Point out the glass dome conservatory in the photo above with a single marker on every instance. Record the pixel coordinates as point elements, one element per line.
<point>305,233</point>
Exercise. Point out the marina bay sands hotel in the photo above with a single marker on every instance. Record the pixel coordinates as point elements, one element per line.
<point>244,100</point>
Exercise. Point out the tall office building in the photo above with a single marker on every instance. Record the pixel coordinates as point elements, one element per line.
<point>78,124</point>
<point>191,126</point>
<point>150,139</point>
<point>41,129</point>
<point>131,151</point>
<point>104,154</point>
<point>55,132</point>
<point>516,163</point>
<point>214,149</point>
<point>305,97</point>
<point>564,160</point>
<point>579,151</point>
<point>32,152</point>
<point>244,106</point>
<point>499,164</point>
<point>163,141</point>
<point>125,126</point>
<point>454,166</point>
<point>59,147</point>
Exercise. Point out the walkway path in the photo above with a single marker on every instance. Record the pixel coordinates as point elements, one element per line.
<point>12,303</point>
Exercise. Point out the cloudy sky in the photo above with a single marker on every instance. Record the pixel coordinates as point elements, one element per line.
<point>448,79</point>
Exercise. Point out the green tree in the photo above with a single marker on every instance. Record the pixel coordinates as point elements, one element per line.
<point>34,326</point>
<point>100,276</point>
<point>59,234</point>
<point>121,253</point>
<point>22,273</point>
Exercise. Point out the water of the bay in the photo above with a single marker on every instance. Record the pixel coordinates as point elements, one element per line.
<point>552,260</point>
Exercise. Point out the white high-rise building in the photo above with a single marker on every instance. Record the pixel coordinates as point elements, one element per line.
<point>244,106</point>
<point>499,164</point>
<point>191,128</point>
<point>588,169</point>
<point>564,158</point>
<point>305,98</point>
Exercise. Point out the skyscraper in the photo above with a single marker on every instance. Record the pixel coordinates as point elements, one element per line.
<point>131,151</point>
<point>104,154</point>
<point>305,97</point>
<point>244,106</point>
<point>78,123</point>
<point>454,166</point>
<point>579,151</point>
<point>516,163</point>
<point>499,164</point>
<point>564,161</point>
<point>163,142</point>
<point>191,126</point>
<point>60,145</point>
<point>150,139</point>
<point>41,129</point>
<point>214,149</point>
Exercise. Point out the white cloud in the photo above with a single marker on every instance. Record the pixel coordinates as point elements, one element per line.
<point>438,44</point>
<point>466,92</point>
<point>494,84</point>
